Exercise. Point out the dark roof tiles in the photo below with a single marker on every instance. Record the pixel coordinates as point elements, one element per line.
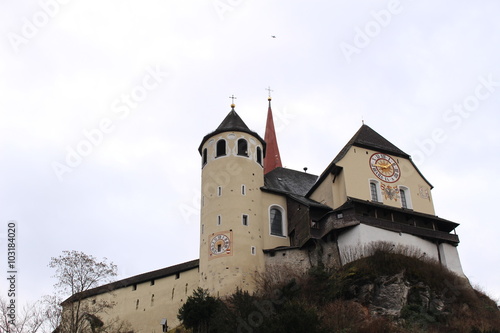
<point>232,122</point>
<point>366,137</point>
<point>289,181</point>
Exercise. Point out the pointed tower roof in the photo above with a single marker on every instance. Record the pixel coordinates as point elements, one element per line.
<point>232,122</point>
<point>272,159</point>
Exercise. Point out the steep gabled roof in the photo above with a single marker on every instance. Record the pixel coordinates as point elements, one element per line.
<point>367,138</point>
<point>232,122</point>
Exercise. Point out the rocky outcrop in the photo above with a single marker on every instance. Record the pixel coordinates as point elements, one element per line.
<point>390,295</point>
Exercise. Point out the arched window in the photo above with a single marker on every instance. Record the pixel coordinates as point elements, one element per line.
<point>242,147</point>
<point>221,148</point>
<point>276,221</point>
<point>204,157</point>
<point>259,155</point>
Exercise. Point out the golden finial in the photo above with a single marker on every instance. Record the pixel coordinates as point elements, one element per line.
<point>269,93</point>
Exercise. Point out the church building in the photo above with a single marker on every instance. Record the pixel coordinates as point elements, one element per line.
<point>257,215</point>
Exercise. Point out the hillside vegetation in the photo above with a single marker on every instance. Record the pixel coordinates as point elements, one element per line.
<point>387,291</point>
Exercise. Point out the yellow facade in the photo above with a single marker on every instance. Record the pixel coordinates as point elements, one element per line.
<point>235,211</point>
<point>355,177</point>
<point>247,217</point>
<point>144,301</point>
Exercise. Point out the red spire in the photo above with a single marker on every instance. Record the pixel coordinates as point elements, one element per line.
<point>272,159</point>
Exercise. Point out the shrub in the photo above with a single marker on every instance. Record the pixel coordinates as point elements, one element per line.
<point>198,311</point>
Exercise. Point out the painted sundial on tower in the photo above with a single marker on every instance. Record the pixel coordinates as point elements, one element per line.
<point>385,167</point>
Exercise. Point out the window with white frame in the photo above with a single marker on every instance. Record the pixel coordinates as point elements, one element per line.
<point>276,221</point>
<point>374,191</point>
<point>221,148</point>
<point>404,194</point>
<point>259,155</point>
<point>242,147</point>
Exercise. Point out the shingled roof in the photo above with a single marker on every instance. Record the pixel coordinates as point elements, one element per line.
<point>232,122</point>
<point>285,180</point>
<point>294,184</point>
<point>157,274</point>
<point>366,137</point>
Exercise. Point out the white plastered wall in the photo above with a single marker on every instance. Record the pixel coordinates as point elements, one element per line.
<point>362,234</point>
<point>450,258</point>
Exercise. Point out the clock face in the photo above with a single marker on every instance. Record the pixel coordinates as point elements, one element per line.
<point>385,167</point>
<point>220,244</point>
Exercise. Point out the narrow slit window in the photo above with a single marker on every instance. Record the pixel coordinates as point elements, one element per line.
<point>244,219</point>
<point>219,191</point>
<point>405,196</point>
<point>259,155</point>
<point>373,191</point>
<point>219,220</point>
<point>243,190</point>
<point>402,193</point>
<point>204,157</point>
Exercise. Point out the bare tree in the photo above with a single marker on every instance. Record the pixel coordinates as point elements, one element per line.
<point>29,319</point>
<point>77,273</point>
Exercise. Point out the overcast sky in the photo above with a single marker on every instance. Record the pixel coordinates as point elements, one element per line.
<point>103,106</point>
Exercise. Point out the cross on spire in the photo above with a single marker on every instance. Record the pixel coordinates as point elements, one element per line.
<point>232,101</point>
<point>269,92</point>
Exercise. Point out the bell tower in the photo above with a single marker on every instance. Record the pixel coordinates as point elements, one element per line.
<point>231,242</point>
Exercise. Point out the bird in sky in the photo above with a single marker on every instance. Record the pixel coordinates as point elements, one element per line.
<point>273,36</point>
